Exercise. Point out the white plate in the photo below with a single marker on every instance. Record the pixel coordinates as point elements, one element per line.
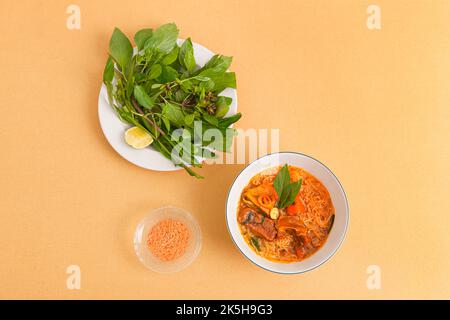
<point>114,129</point>
<point>322,173</point>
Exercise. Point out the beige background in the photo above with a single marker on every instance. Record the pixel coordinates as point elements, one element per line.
<point>372,105</point>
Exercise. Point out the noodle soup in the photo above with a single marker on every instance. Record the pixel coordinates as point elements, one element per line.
<point>285,222</point>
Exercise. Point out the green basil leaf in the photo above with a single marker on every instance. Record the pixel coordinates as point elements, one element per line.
<point>129,87</point>
<point>120,48</point>
<point>207,85</point>
<point>173,113</point>
<point>186,56</point>
<point>221,79</point>
<point>168,74</point>
<point>292,190</point>
<point>141,37</point>
<point>219,63</point>
<point>179,95</point>
<point>189,119</point>
<point>155,71</point>
<point>211,119</point>
<point>282,180</point>
<point>143,98</point>
<point>186,86</point>
<point>109,90</point>
<point>166,123</point>
<point>171,57</point>
<point>223,106</point>
<point>201,78</point>
<point>108,73</point>
<point>282,198</point>
<point>255,243</point>
<point>226,122</point>
<point>164,38</point>
<point>223,100</point>
<point>140,77</point>
<point>221,111</point>
<point>130,68</point>
<point>226,80</point>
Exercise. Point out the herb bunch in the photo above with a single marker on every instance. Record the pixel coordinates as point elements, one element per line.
<point>160,88</point>
<point>286,190</point>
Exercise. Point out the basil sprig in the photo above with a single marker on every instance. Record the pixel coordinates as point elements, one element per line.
<point>286,190</point>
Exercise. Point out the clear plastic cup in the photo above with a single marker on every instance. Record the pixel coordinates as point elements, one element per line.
<point>143,228</point>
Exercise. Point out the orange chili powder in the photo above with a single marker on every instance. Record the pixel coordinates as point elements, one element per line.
<point>168,239</point>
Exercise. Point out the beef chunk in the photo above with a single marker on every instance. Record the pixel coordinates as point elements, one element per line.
<point>257,223</point>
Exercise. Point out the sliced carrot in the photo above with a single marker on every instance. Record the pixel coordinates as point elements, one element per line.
<point>266,201</point>
<point>264,196</point>
<point>291,210</point>
<point>296,208</point>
